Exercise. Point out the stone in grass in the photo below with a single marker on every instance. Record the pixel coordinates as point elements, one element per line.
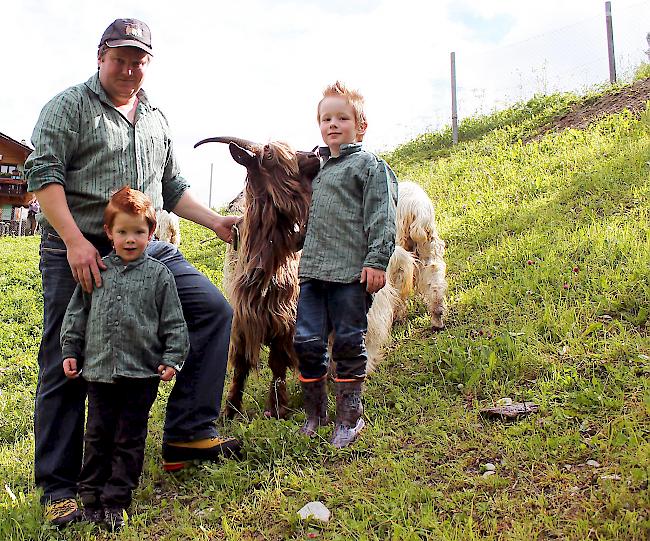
<point>511,411</point>
<point>315,510</point>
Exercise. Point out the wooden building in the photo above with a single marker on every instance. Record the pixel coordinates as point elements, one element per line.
<point>13,186</point>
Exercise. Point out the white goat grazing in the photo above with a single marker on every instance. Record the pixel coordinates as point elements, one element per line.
<point>417,263</point>
<point>168,228</point>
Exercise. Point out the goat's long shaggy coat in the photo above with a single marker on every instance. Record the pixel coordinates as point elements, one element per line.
<point>416,265</point>
<point>261,272</point>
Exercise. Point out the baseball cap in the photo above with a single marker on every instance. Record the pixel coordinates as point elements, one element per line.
<point>127,33</point>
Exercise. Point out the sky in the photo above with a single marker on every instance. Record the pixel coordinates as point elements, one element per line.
<point>256,69</point>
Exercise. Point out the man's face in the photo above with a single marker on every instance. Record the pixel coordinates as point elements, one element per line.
<point>121,73</point>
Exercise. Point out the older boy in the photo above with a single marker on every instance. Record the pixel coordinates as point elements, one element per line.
<point>350,238</point>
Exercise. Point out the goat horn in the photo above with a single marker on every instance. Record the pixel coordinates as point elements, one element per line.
<point>248,145</point>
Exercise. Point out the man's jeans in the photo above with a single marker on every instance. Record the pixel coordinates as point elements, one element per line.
<point>326,306</point>
<point>59,411</point>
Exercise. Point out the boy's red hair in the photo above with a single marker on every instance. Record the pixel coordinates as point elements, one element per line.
<point>132,202</point>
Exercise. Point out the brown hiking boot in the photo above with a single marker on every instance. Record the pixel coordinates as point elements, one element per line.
<point>349,411</point>
<point>315,399</point>
<point>62,512</point>
<point>177,454</point>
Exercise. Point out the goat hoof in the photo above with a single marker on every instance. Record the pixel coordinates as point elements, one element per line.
<point>229,412</point>
<point>281,413</point>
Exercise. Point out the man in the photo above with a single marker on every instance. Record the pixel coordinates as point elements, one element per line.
<point>32,211</point>
<point>90,140</point>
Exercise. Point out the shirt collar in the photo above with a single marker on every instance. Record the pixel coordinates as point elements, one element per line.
<point>114,260</point>
<point>345,150</point>
<point>96,86</point>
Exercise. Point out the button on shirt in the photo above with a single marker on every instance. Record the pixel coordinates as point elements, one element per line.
<point>351,217</point>
<point>130,325</point>
<point>84,143</point>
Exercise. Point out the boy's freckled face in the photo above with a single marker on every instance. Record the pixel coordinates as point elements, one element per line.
<point>130,235</point>
<point>337,123</point>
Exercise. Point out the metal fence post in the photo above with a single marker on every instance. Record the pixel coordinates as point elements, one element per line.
<point>454,111</point>
<point>610,42</point>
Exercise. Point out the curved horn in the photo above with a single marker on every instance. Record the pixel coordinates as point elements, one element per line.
<point>248,145</point>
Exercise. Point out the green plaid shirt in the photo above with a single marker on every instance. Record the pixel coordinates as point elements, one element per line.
<point>130,325</point>
<point>83,143</point>
<point>351,218</point>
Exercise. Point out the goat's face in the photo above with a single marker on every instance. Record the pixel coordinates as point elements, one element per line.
<point>277,170</point>
<point>277,198</point>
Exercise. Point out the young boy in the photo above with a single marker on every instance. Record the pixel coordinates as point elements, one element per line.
<point>350,238</point>
<point>125,336</point>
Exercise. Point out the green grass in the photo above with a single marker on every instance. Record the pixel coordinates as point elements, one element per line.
<point>548,264</point>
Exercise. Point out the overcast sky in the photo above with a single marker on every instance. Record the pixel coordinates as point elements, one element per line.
<point>256,69</point>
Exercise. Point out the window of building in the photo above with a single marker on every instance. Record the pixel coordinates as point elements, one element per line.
<point>9,170</point>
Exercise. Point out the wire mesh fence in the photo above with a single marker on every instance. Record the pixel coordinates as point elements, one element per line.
<point>570,58</point>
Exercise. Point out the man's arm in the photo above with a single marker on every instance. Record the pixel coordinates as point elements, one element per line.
<point>84,259</point>
<point>190,208</point>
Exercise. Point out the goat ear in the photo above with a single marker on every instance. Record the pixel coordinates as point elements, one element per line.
<point>242,156</point>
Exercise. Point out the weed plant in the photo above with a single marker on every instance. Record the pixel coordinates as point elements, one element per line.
<point>548,259</point>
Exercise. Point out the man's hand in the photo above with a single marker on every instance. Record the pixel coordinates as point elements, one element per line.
<point>70,368</point>
<point>166,372</point>
<point>85,263</point>
<point>374,279</point>
<point>223,227</point>
<point>83,258</point>
<point>190,208</point>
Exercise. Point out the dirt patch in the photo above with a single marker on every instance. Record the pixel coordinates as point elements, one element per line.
<point>633,98</point>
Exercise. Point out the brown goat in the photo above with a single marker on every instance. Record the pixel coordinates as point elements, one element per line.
<point>261,271</point>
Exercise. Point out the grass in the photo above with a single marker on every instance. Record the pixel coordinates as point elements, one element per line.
<point>548,259</point>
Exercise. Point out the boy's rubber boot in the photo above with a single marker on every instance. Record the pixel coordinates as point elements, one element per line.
<point>314,394</point>
<point>349,411</point>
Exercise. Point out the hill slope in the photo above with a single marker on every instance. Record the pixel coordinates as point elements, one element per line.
<point>548,258</point>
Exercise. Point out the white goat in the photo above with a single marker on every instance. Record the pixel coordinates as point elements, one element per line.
<point>417,263</point>
<point>168,228</point>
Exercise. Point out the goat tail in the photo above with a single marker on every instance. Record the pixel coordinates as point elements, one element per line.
<point>401,270</point>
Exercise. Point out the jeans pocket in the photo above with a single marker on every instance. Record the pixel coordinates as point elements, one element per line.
<point>52,245</point>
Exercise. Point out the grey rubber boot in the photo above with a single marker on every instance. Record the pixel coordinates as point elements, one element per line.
<point>349,411</point>
<point>315,398</point>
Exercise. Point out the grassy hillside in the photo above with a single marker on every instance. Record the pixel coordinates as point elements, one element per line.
<point>548,260</point>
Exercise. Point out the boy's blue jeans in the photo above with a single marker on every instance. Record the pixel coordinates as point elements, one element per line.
<point>329,306</point>
<point>59,409</point>
<point>116,433</point>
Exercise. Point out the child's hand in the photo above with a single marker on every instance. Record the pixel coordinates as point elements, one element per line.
<point>166,372</point>
<point>374,279</point>
<point>70,368</point>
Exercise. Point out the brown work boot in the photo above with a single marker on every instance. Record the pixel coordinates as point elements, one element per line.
<point>349,411</point>
<point>177,454</point>
<point>314,394</point>
<point>62,512</point>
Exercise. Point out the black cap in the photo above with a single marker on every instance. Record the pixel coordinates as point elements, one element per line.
<point>128,33</point>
